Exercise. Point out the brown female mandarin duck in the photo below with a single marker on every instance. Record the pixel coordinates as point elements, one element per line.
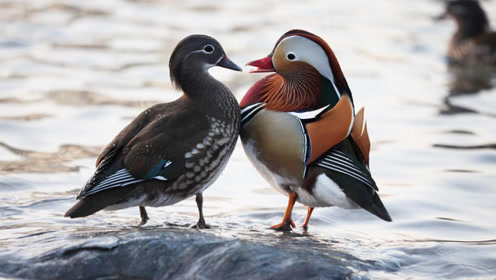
<point>171,151</point>
<point>299,129</point>
<point>473,42</point>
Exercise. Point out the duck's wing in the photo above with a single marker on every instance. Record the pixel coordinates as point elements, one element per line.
<point>155,145</point>
<point>328,129</point>
<point>344,166</point>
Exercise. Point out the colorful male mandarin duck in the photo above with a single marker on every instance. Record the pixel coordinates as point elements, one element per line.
<point>171,151</point>
<point>299,130</point>
<point>473,42</point>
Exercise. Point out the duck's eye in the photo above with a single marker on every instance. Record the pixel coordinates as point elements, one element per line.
<point>209,49</point>
<point>291,56</point>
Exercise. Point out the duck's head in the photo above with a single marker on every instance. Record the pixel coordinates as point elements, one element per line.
<point>299,49</point>
<point>307,74</point>
<point>194,55</point>
<point>466,13</point>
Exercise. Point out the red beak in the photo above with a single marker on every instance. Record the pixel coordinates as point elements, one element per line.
<point>263,65</point>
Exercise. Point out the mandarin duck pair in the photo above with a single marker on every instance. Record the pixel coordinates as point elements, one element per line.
<point>473,43</point>
<point>298,127</point>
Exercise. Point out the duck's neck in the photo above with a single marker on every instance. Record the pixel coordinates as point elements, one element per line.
<point>206,93</point>
<point>292,91</point>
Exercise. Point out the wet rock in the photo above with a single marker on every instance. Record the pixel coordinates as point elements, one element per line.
<point>177,254</point>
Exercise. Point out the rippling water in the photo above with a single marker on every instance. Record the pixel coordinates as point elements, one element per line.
<point>74,73</point>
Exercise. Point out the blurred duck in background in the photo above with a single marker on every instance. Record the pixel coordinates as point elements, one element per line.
<point>471,52</point>
<point>473,42</point>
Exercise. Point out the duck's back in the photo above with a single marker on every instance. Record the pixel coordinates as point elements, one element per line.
<point>480,49</point>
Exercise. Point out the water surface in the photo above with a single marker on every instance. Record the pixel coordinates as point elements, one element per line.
<point>74,73</point>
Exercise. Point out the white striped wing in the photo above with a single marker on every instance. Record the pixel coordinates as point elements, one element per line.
<point>338,161</point>
<point>120,178</point>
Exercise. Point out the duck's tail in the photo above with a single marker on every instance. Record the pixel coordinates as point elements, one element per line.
<point>93,203</point>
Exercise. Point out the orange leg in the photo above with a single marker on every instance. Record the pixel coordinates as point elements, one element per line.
<point>307,219</point>
<point>287,223</point>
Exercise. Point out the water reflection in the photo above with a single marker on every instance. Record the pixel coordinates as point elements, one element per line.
<point>466,80</point>
<point>460,147</point>
<point>75,98</point>
<point>93,66</point>
<point>470,79</point>
<point>44,162</point>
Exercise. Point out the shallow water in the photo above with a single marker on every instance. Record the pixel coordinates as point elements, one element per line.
<point>74,73</point>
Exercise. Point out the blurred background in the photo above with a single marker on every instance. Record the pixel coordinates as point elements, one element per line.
<point>74,73</point>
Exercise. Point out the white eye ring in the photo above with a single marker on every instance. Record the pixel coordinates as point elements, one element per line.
<point>208,49</point>
<point>291,56</point>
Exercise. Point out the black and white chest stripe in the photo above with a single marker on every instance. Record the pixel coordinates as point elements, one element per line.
<point>248,112</point>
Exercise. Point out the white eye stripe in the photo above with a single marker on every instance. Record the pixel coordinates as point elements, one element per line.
<point>309,52</point>
<point>208,49</point>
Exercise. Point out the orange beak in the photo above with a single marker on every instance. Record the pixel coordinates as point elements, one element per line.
<point>263,65</point>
